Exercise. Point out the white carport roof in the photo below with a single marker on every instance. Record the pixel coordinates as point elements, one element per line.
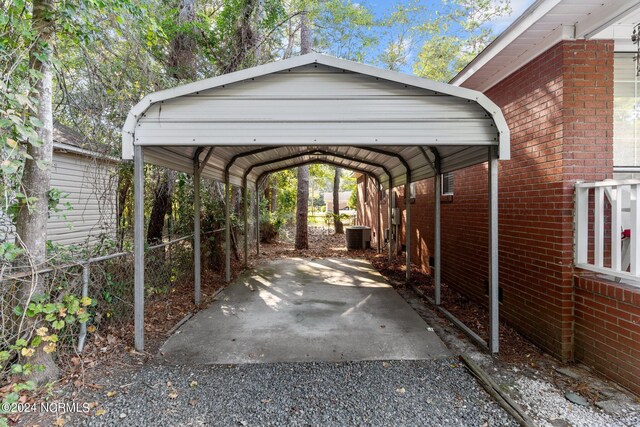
<point>316,108</point>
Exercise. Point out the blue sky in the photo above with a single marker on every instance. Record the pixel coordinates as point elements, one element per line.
<point>517,8</point>
<point>382,8</point>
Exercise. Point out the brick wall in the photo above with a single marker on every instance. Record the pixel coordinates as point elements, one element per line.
<point>559,110</point>
<point>367,210</point>
<point>421,217</point>
<point>607,328</point>
<point>557,136</point>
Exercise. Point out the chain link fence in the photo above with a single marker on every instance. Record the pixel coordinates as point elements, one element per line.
<point>109,283</point>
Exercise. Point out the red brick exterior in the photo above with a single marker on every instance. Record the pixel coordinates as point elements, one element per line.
<point>607,328</point>
<point>559,108</point>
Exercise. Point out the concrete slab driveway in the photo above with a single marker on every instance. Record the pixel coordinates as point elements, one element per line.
<point>305,310</point>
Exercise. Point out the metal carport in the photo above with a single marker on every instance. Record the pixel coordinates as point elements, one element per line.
<point>238,127</point>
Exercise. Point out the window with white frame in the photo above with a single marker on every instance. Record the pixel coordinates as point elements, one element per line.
<point>447,184</point>
<point>626,116</point>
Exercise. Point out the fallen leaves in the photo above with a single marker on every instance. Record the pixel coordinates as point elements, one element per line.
<point>112,393</point>
<point>173,393</point>
<point>401,390</point>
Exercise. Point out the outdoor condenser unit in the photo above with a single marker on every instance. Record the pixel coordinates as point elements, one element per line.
<point>358,237</point>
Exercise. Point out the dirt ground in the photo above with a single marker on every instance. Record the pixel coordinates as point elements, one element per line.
<point>536,380</point>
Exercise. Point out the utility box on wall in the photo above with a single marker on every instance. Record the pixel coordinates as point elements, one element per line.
<point>395,216</point>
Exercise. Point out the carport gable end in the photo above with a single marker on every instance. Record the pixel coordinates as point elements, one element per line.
<point>371,119</point>
<point>330,102</point>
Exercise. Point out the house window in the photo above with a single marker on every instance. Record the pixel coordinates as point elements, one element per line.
<point>412,191</point>
<point>626,117</point>
<point>447,184</point>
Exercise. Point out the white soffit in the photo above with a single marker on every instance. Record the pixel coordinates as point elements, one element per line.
<point>311,107</point>
<point>540,27</point>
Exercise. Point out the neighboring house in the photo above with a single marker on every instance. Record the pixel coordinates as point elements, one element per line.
<point>88,182</point>
<point>565,77</point>
<point>343,198</point>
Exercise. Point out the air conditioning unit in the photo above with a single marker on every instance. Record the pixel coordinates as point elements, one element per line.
<point>358,237</point>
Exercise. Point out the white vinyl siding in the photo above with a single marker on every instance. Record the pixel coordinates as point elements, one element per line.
<point>91,186</point>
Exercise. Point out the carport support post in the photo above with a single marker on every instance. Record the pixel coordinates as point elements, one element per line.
<point>389,202</point>
<point>407,232</point>
<point>379,219</point>
<point>257,220</point>
<point>196,230</point>
<point>138,245</point>
<point>227,229</point>
<point>245,192</point>
<point>493,250</point>
<point>437,191</point>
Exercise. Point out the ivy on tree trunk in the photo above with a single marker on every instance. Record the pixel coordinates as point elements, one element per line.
<point>31,224</point>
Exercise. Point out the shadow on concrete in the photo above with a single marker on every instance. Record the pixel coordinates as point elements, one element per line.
<point>295,310</point>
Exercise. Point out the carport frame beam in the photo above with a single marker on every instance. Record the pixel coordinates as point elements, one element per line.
<point>245,193</point>
<point>257,219</point>
<point>494,299</point>
<point>196,229</point>
<point>407,237</point>
<point>437,232</point>
<point>379,218</point>
<point>138,245</point>
<point>227,230</point>
<point>390,219</point>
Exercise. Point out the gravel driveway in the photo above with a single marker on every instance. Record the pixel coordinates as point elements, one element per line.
<point>408,393</point>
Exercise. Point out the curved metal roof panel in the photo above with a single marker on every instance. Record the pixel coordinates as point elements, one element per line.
<point>313,107</point>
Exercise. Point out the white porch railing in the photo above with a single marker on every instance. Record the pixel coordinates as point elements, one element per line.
<point>614,205</point>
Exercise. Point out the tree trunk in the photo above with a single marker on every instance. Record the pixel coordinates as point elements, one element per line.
<point>181,64</point>
<point>302,207</point>
<point>305,34</point>
<point>274,195</point>
<point>124,185</point>
<point>161,206</point>
<point>337,223</point>
<point>302,236</point>
<point>182,57</point>
<point>244,39</point>
<point>31,224</point>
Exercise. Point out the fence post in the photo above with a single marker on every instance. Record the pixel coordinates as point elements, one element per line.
<point>86,276</point>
